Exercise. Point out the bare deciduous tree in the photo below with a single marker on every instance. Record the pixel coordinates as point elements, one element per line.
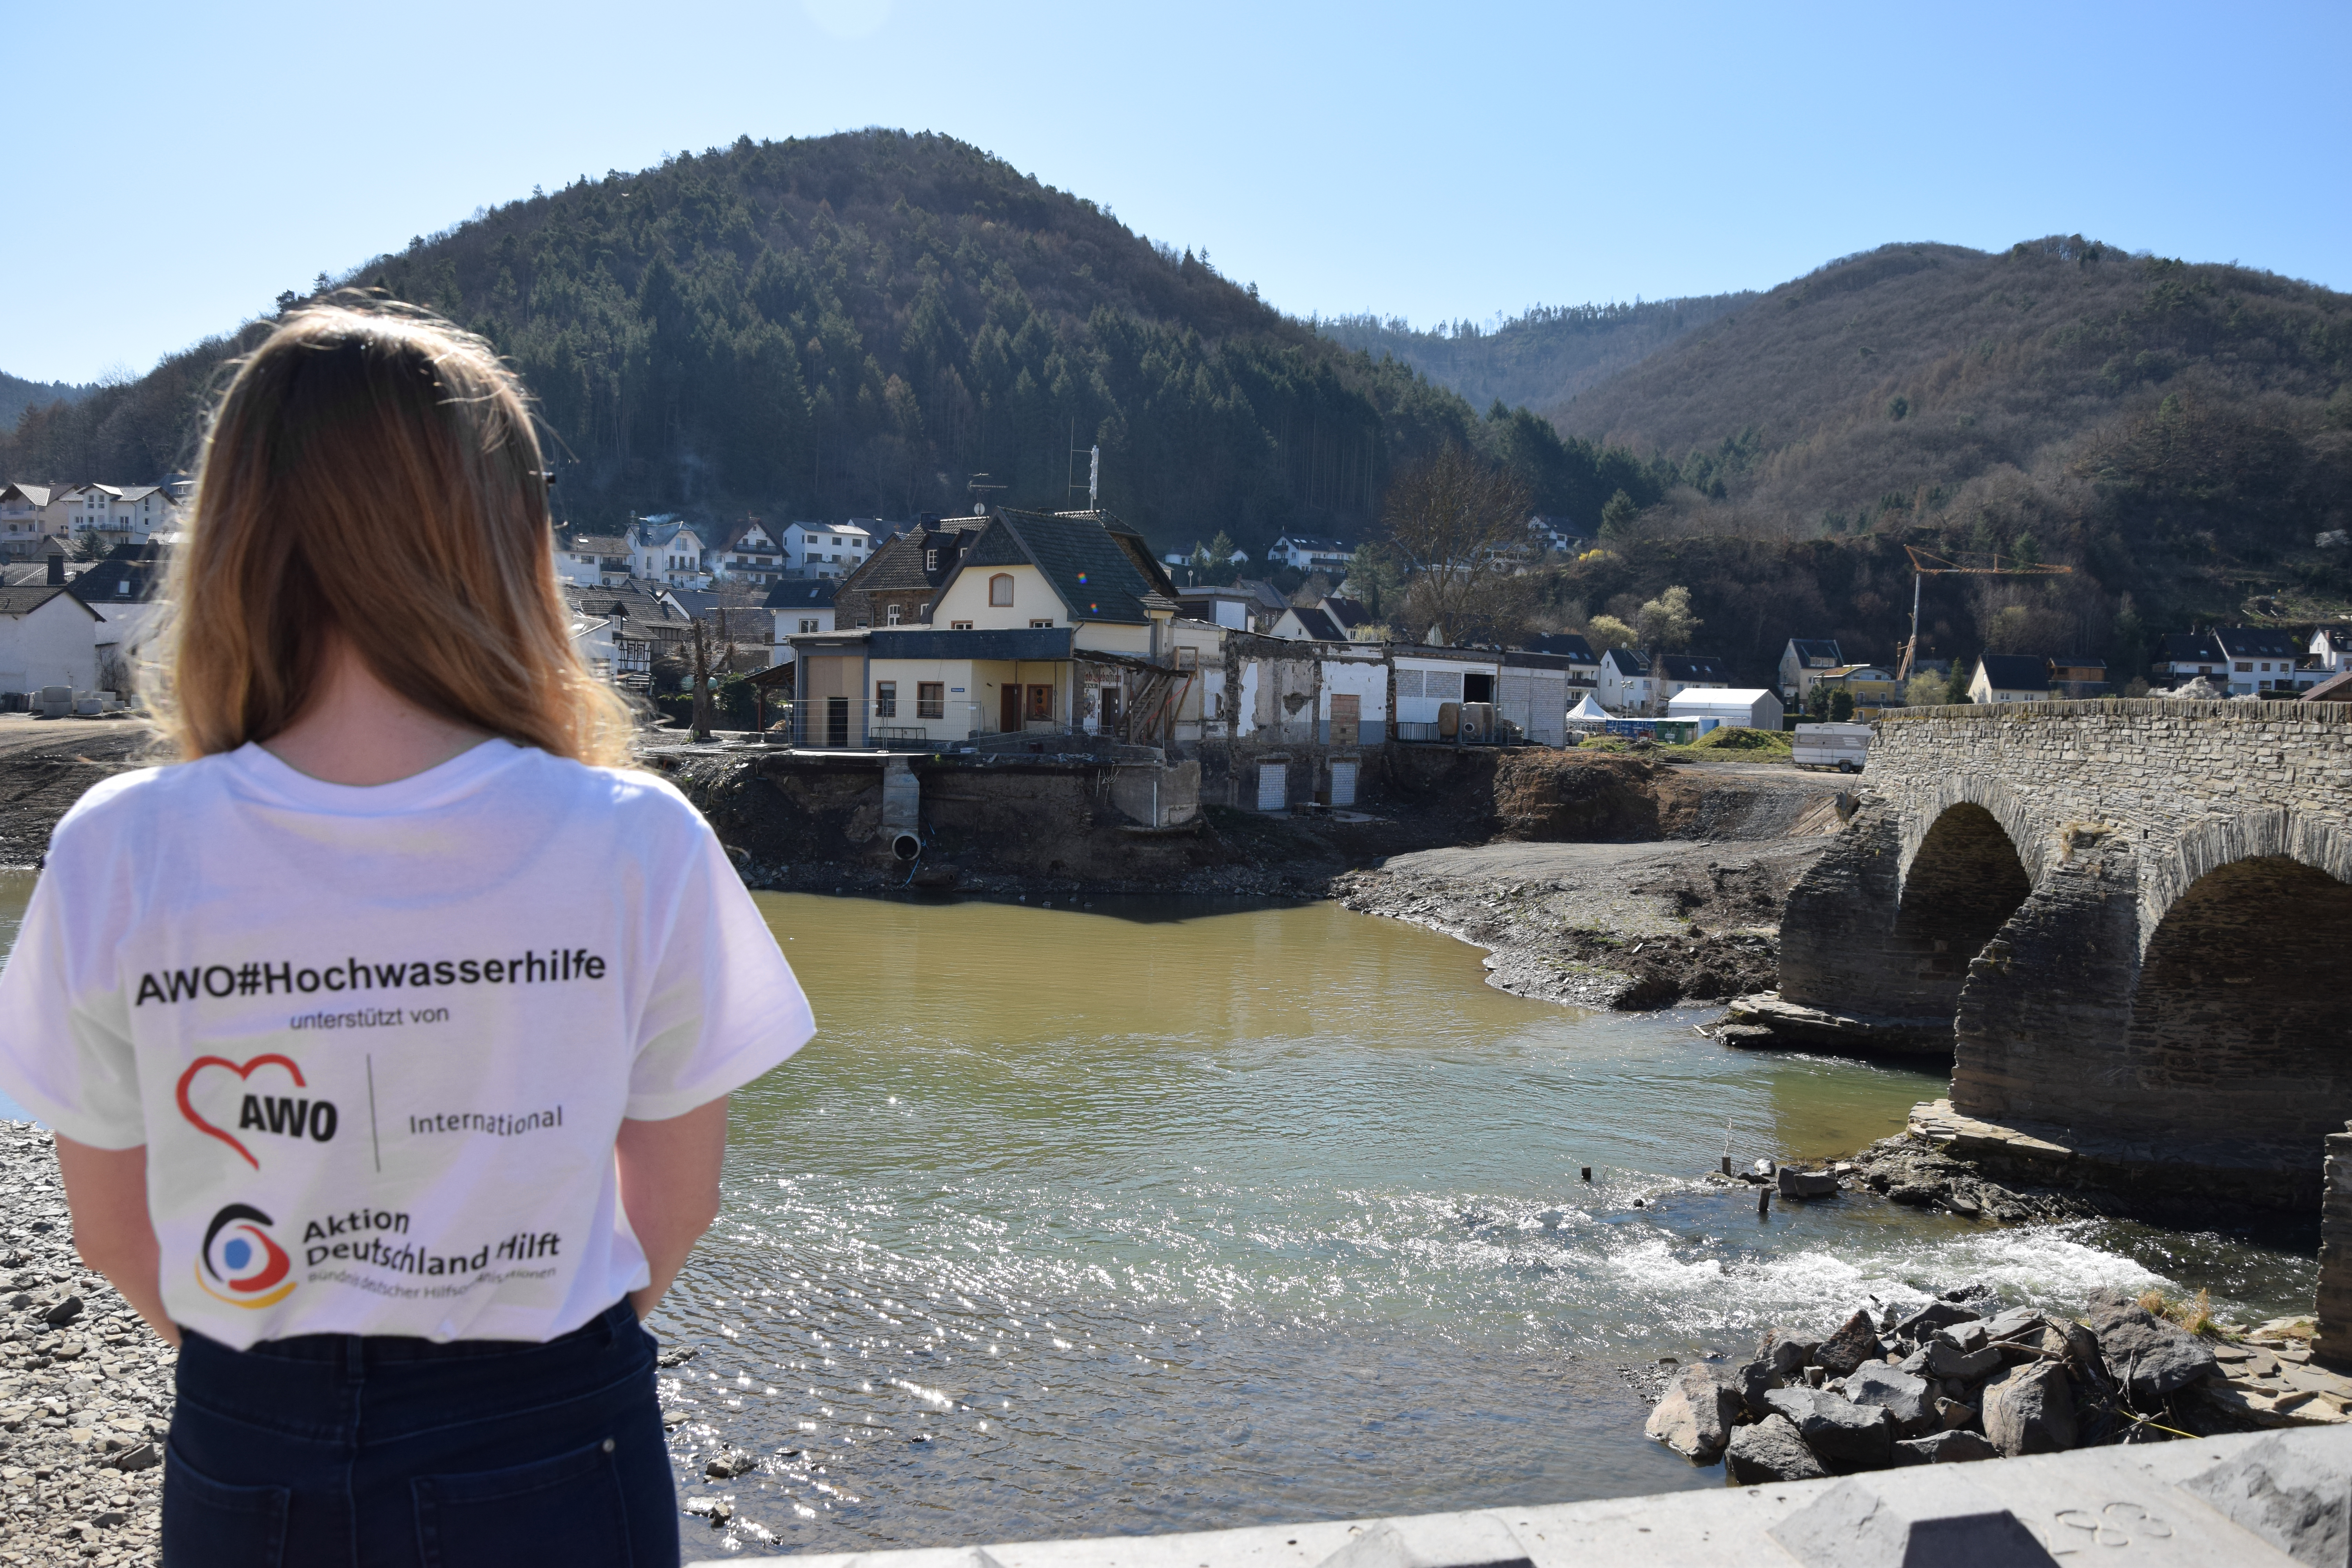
<point>1460,524</point>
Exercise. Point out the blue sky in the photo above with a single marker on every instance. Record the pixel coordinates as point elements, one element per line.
<point>1432,162</point>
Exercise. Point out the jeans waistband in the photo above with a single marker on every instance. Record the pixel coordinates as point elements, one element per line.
<point>382,1349</point>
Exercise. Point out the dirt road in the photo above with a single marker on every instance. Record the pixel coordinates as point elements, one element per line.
<point>45,766</point>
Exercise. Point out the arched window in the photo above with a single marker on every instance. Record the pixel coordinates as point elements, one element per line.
<point>1000,589</point>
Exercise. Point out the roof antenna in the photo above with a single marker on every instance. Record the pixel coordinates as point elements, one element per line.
<point>978,486</point>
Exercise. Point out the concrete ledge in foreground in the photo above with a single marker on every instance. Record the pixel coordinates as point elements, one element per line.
<point>2265,1499</point>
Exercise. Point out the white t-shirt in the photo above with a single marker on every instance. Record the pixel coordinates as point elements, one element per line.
<point>378,1041</point>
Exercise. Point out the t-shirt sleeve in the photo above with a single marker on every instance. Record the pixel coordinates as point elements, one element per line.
<point>724,1006</point>
<point>65,1052</point>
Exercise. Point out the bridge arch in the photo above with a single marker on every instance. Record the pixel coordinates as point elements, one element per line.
<point>2031,835</point>
<point>2275,832</point>
<point>1965,879</point>
<point>2237,1034</point>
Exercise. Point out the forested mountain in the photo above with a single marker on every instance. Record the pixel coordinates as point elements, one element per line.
<point>1542,358</point>
<point>859,323</point>
<point>2179,434</point>
<point>17,395</point>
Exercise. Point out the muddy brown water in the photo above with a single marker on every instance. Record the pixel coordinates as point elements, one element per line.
<point>1160,1215</point>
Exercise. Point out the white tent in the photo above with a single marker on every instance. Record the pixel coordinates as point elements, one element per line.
<point>1589,709</point>
<point>1753,707</point>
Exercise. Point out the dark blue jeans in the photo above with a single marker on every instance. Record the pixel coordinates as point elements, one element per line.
<point>380,1452</point>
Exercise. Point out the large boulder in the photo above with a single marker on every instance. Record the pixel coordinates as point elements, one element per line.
<point>1851,1345</point>
<point>2143,1352</point>
<point>1695,1416</point>
<point>1770,1450</point>
<point>1947,1361</point>
<point>1787,1351</point>
<point>1905,1398</point>
<point>1944,1448</point>
<point>1934,1315</point>
<point>2014,1323</point>
<point>1844,1435</point>
<point>1756,1380</point>
<point>2030,1409</point>
<point>1968,1336</point>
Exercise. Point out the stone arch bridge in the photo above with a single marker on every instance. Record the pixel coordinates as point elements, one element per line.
<point>2128,923</point>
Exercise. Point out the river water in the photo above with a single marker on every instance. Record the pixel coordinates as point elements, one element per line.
<point>1147,1216</point>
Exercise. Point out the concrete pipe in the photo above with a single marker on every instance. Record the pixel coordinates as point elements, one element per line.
<point>906,846</point>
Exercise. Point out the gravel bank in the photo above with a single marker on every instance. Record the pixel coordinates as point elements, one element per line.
<point>85,1389</point>
<point>1632,926</point>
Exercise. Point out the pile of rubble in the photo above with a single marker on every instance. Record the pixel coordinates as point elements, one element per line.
<point>1947,1384</point>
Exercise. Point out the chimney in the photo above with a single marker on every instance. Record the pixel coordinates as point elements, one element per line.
<point>56,570</point>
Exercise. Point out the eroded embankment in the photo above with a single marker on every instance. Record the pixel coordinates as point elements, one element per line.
<point>45,765</point>
<point>1619,881</point>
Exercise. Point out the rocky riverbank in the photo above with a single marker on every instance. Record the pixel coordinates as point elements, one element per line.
<point>85,1388</point>
<point>1959,1378</point>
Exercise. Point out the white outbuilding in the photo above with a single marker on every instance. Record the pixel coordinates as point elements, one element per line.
<point>1753,707</point>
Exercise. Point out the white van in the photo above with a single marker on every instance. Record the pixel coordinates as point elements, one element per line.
<point>1846,747</point>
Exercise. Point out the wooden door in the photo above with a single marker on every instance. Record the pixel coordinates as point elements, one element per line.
<point>1008,714</point>
<point>1110,718</point>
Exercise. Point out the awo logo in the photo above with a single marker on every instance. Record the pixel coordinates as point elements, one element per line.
<point>242,1263</point>
<point>277,1115</point>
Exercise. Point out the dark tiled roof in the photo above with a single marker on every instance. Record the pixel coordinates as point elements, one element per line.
<point>599,544</point>
<point>2256,642</point>
<point>2339,639</point>
<point>1265,594</point>
<point>1096,576</point>
<point>802,594</point>
<point>1629,661</point>
<point>1318,625</point>
<point>1567,644</point>
<point>2189,648</point>
<point>1692,667</point>
<point>1817,653</point>
<point>1346,611</point>
<point>23,601</point>
<point>2016,672</point>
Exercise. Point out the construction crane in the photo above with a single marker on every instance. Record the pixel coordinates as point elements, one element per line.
<point>1926,563</point>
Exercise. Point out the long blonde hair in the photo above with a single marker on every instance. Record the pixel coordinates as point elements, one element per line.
<point>371,472</point>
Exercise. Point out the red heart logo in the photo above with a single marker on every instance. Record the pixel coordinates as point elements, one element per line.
<point>201,1063</point>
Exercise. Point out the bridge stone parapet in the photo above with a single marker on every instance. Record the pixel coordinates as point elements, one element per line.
<point>2122,919</point>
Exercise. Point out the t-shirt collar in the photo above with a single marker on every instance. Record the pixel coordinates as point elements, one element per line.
<point>260,773</point>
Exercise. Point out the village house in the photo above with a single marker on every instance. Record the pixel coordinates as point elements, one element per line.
<point>1872,686</point>
<point>1045,623</point>
<point>1625,684</point>
<point>2186,656</point>
<point>1357,623</point>
<point>24,521</point>
<point>1308,623</point>
<point>1802,664</point>
<point>118,515</point>
<point>663,549</point>
<point>1584,666</point>
<point>1307,552</point>
<point>47,637</point>
<point>895,585</point>
<point>750,554</point>
<point>122,589</point>
<point>2010,678</point>
<point>628,625</point>
<point>1680,672</point>
<point>2078,676</point>
<point>2260,658</point>
<point>2331,646</point>
<point>827,549</point>
<point>593,560</point>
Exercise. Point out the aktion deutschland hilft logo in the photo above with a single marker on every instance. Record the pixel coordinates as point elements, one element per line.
<point>242,1256</point>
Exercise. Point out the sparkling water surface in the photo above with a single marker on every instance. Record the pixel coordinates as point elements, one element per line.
<point>1149,1215</point>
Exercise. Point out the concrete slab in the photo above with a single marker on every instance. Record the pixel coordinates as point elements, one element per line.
<point>2258,1500</point>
